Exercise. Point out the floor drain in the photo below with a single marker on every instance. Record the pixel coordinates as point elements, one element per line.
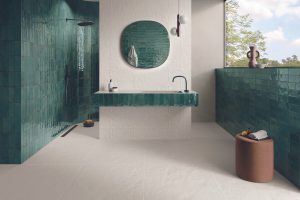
<point>66,133</point>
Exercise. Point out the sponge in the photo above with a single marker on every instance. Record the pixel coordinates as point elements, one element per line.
<point>89,121</point>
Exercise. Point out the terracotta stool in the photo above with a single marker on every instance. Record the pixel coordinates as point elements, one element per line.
<point>254,160</point>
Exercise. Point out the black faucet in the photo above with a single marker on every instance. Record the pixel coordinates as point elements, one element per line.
<point>186,90</point>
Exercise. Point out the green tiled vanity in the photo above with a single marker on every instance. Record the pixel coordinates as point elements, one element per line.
<point>145,99</point>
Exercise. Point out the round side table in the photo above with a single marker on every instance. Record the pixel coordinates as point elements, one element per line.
<point>254,160</point>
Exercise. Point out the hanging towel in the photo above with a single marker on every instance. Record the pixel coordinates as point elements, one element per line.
<point>259,135</point>
<point>132,57</point>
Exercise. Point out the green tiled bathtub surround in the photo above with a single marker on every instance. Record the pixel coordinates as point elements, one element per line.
<point>267,99</point>
<point>105,99</point>
<point>150,40</point>
<point>36,44</point>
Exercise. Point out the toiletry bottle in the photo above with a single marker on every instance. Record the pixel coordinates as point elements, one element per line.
<point>110,85</point>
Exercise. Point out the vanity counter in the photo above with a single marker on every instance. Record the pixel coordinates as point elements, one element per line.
<point>145,99</point>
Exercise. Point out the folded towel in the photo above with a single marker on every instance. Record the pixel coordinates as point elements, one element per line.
<point>259,135</point>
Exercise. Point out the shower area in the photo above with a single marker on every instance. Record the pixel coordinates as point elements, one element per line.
<point>49,71</point>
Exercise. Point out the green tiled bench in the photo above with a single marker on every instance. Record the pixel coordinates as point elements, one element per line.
<point>151,99</point>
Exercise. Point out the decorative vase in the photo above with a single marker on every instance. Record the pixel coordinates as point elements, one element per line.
<point>252,51</point>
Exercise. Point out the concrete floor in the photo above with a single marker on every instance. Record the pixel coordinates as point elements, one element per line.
<point>79,166</point>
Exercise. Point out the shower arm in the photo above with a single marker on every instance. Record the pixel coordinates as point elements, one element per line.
<point>75,19</point>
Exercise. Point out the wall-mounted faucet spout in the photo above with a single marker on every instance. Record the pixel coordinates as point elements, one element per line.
<point>186,90</point>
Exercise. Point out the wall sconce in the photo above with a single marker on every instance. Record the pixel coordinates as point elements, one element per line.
<point>180,20</point>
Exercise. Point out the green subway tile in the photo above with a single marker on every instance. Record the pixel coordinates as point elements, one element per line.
<point>139,100</point>
<point>146,100</point>
<point>105,100</point>
<point>156,99</point>
<point>100,99</point>
<point>130,100</point>
<point>171,99</point>
<point>96,101</point>
<point>125,100</point>
<point>181,99</point>
<point>166,99</point>
<point>136,98</point>
<point>294,79</point>
<point>176,100</point>
<point>121,100</point>
<point>110,99</point>
<point>186,99</point>
<point>192,100</point>
<point>295,71</point>
<point>151,100</point>
<point>115,99</point>
<point>161,100</point>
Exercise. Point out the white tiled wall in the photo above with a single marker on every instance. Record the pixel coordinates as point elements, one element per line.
<point>144,123</point>
<point>115,16</point>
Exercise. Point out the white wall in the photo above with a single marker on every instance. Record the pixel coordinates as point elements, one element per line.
<point>115,16</point>
<point>207,54</point>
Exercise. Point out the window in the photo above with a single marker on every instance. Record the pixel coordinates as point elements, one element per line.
<point>272,26</point>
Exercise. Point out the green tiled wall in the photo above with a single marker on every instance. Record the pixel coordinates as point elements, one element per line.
<point>44,43</point>
<point>150,40</point>
<point>10,82</point>
<point>146,100</point>
<point>267,99</point>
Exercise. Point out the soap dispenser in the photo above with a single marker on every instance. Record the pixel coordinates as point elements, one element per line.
<point>110,85</point>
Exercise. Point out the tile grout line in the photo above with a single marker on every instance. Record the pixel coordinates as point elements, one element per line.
<point>78,170</point>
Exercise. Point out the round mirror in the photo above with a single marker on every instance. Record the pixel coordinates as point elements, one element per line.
<point>145,44</point>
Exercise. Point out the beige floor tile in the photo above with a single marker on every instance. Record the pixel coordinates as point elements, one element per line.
<point>118,152</point>
<point>63,151</point>
<point>36,182</point>
<point>106,182</point>
<point>6,169</point>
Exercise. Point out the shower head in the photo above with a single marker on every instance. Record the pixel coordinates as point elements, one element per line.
<point>84,23</point>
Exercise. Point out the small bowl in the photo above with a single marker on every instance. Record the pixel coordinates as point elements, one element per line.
<point>88,125</point>
<point>260,66</point>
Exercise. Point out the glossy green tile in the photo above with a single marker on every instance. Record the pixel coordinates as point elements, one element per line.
<point>186,99</point>
<point>136,99</point>
<point>121,100</point>
<point>145,101</point>
<point>115,99</point>
<point>166,99</point>
<point>177,100</point>
<point>151,100</point>
<point>125,100</point>
<point>130,100</point>
<point>161,100</point>
<point>281,121</point>
<point>156,99</point>
<point>105,100</point>
<point>171,99</point>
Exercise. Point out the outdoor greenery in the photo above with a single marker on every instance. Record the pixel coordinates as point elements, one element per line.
<point>239,38</point>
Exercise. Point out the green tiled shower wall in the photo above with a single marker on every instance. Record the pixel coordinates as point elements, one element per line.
<point>150,40</point>
<point>34,110</point>
<point>10,80</point>
<point>263,99</point>
<point>146,100</point>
